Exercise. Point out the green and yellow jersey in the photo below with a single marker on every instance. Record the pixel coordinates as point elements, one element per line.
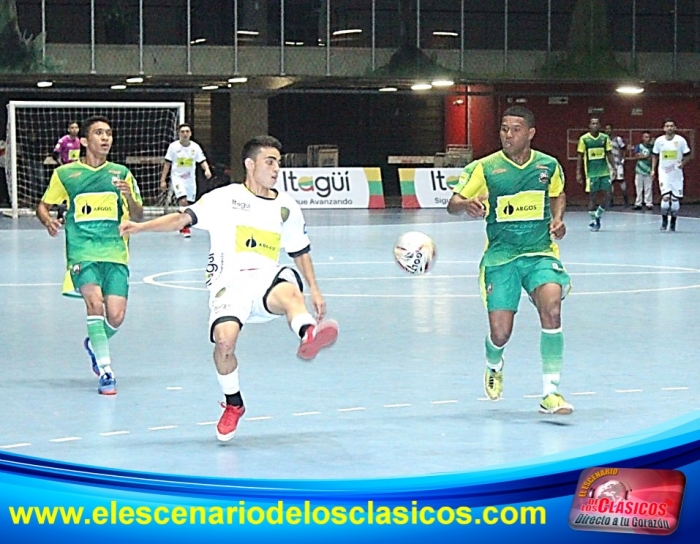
<point>518,212</point>
<point>594,151</point>
<point>95,210</point>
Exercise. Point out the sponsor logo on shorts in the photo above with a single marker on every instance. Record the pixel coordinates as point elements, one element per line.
<point>220,293</point>
<point>489,289</point>
<point>75,269</point>
<point>628,500</point>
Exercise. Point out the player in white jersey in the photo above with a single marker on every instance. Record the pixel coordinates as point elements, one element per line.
<point>670,154</point>
<point>181,162</point>
<point>249,224</point>
<point>617,174</point>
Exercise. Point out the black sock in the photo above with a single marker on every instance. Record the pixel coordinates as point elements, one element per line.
<point>302,330</point>
<point>235,399</point>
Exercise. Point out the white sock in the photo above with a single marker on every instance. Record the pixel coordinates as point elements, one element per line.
<point>550,383</point>
<point>229,383</point>
<point>299,321</point>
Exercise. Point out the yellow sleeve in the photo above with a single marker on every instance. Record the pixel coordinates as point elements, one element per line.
<point>556,184</point>
<point>472,181</point>
<point>135,192</point>
<point>608,145</point>
<point>56,192</point>
<point>581,146</point>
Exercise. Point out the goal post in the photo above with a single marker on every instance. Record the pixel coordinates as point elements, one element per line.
<point>142,133</point>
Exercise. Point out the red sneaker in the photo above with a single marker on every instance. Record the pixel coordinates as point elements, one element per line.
<point>316,338</point>
<point>228,423</point>
<point>186,232</point>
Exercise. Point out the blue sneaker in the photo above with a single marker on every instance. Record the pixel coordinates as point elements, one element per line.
<point>594,225</point>
<point>91,354</point>
<point>107,385</point>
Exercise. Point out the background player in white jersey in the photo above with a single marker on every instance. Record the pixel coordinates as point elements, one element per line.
<point>181,162</point>
<point>249,224</point>
<point>670,154</point>
<point>617,174</point>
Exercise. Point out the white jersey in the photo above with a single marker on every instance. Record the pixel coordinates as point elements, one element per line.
<point>184,161</point>
<point>618,147</point>
<point>246,231</point>
<point>670,154</point>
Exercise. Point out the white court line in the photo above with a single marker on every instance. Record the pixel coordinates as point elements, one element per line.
<point>66,439</point>
<point>258,418</point>
<point>583,393</point>
<point>114,433</point>
<point>443,401</point>
<point>537,396</point>
<point>356,409</point>
<point>628,390</point>
<point>162,428</point>
<point>675,388</point>
<point>405,405</point>
<point>306,414</point>
<point>207,423</point>
<point>174,388</point>
<point>18,445</point>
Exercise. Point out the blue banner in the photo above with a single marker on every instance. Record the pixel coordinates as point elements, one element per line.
<point>43,500</point>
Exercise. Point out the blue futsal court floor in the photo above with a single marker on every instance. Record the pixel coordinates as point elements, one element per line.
<point>400,394</point>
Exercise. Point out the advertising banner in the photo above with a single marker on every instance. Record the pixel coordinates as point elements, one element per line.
<point>333,187</point>
<point>427,187</point>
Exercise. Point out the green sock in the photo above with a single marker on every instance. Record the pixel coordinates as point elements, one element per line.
<point>593,214</point>
<point>552,352</point>
<point>109,330</point>
<point>494,355</point>
<point>98,339</point>
<point>599,212</point>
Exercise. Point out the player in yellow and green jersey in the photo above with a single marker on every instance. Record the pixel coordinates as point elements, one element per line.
<point>520,193</point>
<point>595,162</point>
<point>99,195</point>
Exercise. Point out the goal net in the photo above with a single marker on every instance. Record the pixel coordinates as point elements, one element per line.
<point>142,132</point>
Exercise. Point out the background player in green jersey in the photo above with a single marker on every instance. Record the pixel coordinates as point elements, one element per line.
<point>520,192</point>
<point>100,194</point>
<point>595,162</point>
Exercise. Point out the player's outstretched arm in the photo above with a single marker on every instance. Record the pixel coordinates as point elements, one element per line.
<point>52,225</point>
<point>306,267</point>
<point>166,223</point>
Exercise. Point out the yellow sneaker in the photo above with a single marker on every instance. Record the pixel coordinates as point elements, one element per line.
<point>493,383</point>
<point>554,403</point>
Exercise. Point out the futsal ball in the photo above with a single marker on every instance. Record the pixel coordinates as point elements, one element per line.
<point>415,252</point>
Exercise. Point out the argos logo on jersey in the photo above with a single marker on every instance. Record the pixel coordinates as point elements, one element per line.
<point>524,206</point>
<point>262,242</point>
<point>96,207</point>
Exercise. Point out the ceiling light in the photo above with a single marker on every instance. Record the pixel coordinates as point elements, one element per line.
<point>421,86</point>
<point>237,79</point>
<point>119,87</point>
<point>136,79</point>
<point>197,41</point>
<point>248,32</point>
<point>630,89</point>
<point>445,33</point>
<point>209,87</point>
<point>44,84</point>
<point>388,90</point>
<point>347,31</point>
<point>443,83</point>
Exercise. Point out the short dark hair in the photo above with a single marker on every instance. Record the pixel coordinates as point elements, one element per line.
<point>85,127</point>
<point>520,111</point>
<point>646,132</point>
<point>253,146</point>
<point>71,123</point>
<point>181,125</point>
<point>669,120</point>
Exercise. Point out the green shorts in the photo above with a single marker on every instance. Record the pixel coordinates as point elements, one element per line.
<point>112,278</point>
<point>502,285</point>
<point>602,183</point>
